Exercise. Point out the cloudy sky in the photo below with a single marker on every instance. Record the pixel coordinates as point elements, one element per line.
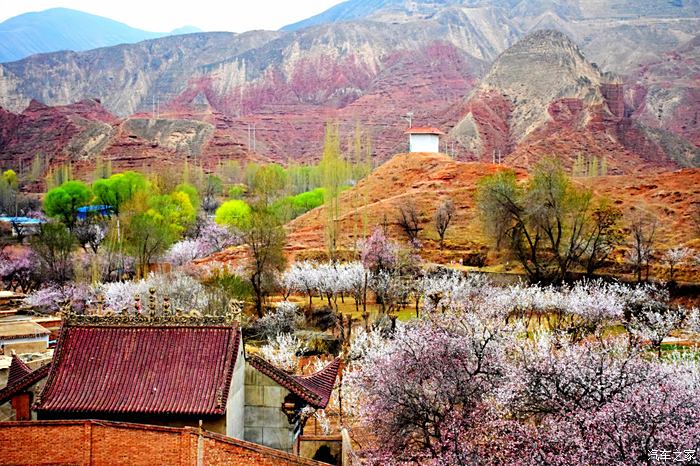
<point>162,16</point>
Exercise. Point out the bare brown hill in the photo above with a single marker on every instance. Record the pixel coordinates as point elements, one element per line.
<point>426,179</point>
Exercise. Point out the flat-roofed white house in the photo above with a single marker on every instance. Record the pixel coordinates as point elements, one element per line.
<point>424,139</point>
<point>23,336</point>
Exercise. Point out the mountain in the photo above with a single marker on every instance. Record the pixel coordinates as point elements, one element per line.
<point>492,73</point>
<point>615,34</point>
<point>346,11</point>
<point>665,93</point>
<point>65,29</point>
<point>542,97</point>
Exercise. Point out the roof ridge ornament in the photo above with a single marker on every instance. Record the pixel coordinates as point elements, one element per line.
<point>164,314</point>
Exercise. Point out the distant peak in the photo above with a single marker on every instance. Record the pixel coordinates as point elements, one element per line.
<point>185,30</point>
<point>547,35</point>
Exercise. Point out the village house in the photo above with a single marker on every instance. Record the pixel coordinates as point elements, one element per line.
<point>423,139</point>
<point>23,384</point>
<point>170,370</point>
<point>23,336</point>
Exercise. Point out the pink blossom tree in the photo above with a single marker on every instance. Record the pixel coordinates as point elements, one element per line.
<point>19,269</point>
<point>378,252</point>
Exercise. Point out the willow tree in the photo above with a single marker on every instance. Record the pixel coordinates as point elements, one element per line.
<point>334,174</point>
<point>548,224</point>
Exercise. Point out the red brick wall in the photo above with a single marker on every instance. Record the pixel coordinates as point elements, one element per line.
<point>41,444</point>
<point>217,452</point>
<point>128,446</point>
<point>114,443</point>
<point>22,405</point>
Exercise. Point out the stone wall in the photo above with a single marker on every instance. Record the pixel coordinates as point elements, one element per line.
<point>265,423</point>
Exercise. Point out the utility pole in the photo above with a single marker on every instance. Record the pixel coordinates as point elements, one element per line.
<point>409,118</point>
<point>254,140</point>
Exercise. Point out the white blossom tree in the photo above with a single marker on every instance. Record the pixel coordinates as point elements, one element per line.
<point>675,257</point>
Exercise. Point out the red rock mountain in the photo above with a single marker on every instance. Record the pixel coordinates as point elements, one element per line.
<point>543,98</point>
<point>197,95</point>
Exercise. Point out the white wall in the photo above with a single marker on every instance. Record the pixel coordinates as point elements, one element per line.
<point>265,423</point>
<point>36,339</point>
<point>424,143</point>
<point>235,405</point>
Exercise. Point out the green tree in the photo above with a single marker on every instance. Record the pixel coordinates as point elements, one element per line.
<point>146,236</point>
<point>291,207</point>
<point>334,174</point>
<point>546,223</point>
<point>54,245</point>
<point>237,191</point>
<point>579,168</point>
<point>268,183</point>
<point>265,238</point>
<point>191,193</point>
<point>230,172</point>
<point>102,169</point>
<point>118,189</point>
<point>175,209</point>
<point>234,213</point>
<point>63,202</point>
<point>59,175</point>
<point>303,178</point>
<point>37,168</point>
<point>10,177</point>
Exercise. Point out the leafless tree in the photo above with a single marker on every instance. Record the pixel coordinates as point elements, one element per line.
<point>443,217</point>
<point>642,238</point>
<point>675,257</point>
<point>409,220</point>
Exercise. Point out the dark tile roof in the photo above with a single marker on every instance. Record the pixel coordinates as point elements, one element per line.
<point>315,389</point>
<point>141,369</point>
<point>23,383</point>
<point>18,369</point>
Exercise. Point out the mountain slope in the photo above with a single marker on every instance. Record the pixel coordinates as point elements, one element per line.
<point>65,29</point>
<point>666,92</point>
<point>615,34</point>
<point>346,11</point>
<point>542,98</point>
<point>427,179</point>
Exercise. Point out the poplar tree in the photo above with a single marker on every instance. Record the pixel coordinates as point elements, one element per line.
<point>334,173</point>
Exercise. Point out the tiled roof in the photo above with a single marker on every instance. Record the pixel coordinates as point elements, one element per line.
<point>18,369</point>
<point>423,130</point>
<point>315,389</point>
<point>141,369</point>
<point>21,329</point>
<point>23,383</point>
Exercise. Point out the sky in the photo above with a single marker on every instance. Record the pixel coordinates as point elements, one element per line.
<point>164,16</point>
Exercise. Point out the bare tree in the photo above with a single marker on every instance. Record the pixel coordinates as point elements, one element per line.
<point>548,224</point>
<point>443,217</point>
<point>673,258</point>
<point>409,220</point>
<point>642,238</point>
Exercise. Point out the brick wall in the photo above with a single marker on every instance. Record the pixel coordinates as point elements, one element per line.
<point>114,443</point>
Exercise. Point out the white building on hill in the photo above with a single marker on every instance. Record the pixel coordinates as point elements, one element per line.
<point>424,139</point>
